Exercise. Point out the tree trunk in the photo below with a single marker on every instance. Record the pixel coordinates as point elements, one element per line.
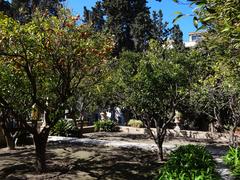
<point>233,139</point>
<point>159,137</point>
<point>81,126</point>
<point>10,140</point>
<point>159,143</point>
<point>160,148</point>
<point>40,141</point>
<point>81,129</point>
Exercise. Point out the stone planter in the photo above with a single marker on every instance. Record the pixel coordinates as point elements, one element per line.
<point>178,120</point>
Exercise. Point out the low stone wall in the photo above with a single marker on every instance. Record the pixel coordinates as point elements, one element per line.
<point>133,130</point>
<point>88,129</point>
<point>198,135</point>
<point>223,137</point>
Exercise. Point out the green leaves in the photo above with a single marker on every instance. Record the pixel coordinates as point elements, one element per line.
<point>189,162</point>
<point>199,2</point>
<point>105,125</point>
<point>49,57</point>
<point>178,12</point>
<point>195,22</point>
<point>63,128</point>
<point>222,16</point>
<point>232,158</point>
<point>178,17</point>
<point>150,82</point>
<point>208,19</point>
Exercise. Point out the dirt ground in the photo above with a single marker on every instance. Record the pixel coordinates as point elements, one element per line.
<point>68,161</point>
<point>77,161</point>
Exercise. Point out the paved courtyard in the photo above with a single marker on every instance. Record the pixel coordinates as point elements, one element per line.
<point>99,156</point>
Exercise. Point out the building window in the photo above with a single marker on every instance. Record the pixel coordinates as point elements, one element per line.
<point>196,37</point>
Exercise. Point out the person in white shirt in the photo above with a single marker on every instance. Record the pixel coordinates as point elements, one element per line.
<point>119,116</point>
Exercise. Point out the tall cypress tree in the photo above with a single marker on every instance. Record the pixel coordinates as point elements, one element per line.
<point>98,16</point>
<point>119,18</point>
<point>5,7</point>
<point>23,9</point>
<point>95,16</point>
<point>160,31</point>
<point>141,26</point>
<point>177,37</point>
<point>130,22</point>
<point>87,15</point>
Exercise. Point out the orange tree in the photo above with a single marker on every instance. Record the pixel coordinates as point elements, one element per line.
<point>49,57</point>
<point>155,84</point>
<point>221,19</point>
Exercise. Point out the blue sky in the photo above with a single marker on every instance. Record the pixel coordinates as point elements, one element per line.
<point>168,7</point>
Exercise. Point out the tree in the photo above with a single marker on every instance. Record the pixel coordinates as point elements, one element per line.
<point>216,92</point>
<point>23,10</point>
<point>98,16</point>
<point>209,98</point>
<point>95,17</point>
<point>86,15</point>
<point>52,58</point>
<point>160,30</point>
<point>129,22</point>
<point>220,17</point>
<point>155,86</point>
<point>228,25</point>
<point>221,20</point>
<point>177,37</point>
<point>141,26</point>
<point>5,7</point>
<point>119,18</point>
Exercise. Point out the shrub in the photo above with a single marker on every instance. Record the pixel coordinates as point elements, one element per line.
<point>189,162</point>
<point>105,125</point>
<point>232,158</point>
<point>64,128</point>
<point>135,123</point>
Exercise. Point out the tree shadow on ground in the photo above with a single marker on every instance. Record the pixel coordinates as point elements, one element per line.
<point>217,149</point>
<point>14,164</point>
<point>102,163</point>
<point>120,164</point>
<point>16,160</point>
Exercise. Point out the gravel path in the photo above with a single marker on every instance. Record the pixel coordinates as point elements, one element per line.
<point>222,169</point>
<point>216,151</point>
<point>108,143</point>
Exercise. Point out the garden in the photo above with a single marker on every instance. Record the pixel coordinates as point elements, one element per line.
<point>116,94</point>
<point>116,155</point>
<point>125,154</point>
